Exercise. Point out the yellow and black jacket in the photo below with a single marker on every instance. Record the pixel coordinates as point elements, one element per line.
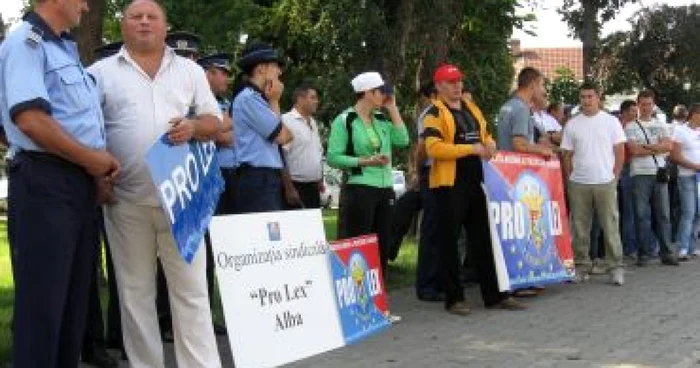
<point>439,134</point>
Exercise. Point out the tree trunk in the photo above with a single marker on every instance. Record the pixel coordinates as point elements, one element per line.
<point>589,35</point>
<point>89,34</point>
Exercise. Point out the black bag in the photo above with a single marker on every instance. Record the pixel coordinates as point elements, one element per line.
<point>663,175</point>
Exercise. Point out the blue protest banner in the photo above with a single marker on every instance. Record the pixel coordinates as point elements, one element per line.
<point>188,182</point>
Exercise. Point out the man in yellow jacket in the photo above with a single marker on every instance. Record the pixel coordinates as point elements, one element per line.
<point>456,138</point>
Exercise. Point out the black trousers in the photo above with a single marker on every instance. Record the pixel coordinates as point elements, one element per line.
<point>464,206</point>
<point>403,212</point>
<point>94,329</point>
<point>52,230</point>
<point>309,193</point>
<point>428,279</point>
<point>367,210</point>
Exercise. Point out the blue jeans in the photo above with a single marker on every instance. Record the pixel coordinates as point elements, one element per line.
<point>687,226</point>
<point>651,197</point>
<point>627,227</point>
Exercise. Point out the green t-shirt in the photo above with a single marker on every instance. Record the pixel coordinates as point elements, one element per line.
<point>382,130</point>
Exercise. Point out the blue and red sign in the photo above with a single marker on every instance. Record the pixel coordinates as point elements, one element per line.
<point>528,211</point>
<point>188,181</point>
<point>359,288</point>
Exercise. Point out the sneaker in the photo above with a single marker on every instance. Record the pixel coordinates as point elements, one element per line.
<point>599,267</point>
<point>394,319</point>
<point>617,276</point>
<point>642,261</point>
<point>581,276</point>
<point>459,309</point>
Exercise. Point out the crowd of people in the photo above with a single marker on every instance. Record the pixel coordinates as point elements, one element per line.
<point>78,138</point>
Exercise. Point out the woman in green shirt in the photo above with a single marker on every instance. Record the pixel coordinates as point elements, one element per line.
<point>360,143</point>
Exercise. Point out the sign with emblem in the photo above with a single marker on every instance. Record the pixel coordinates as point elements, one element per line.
<point>529,228</point>
<point>287,294</point>
<point>359,287</point>
<point>188,182</point>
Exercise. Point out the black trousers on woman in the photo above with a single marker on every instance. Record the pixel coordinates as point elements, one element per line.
<point>367,210</point>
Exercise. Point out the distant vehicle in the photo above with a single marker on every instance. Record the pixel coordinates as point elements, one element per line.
<point>399,183</point>
<point>330,195</point>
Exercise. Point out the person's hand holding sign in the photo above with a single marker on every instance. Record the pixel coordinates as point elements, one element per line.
<point>181,130</point>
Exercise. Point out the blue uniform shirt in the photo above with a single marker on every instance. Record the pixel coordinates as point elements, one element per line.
<point>42,70</point>
<point>257,126</point>
<point>226,154</point>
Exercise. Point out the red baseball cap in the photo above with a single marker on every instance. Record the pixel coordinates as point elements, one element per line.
<point>446,73</point>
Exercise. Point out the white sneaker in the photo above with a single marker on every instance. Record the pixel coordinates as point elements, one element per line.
<point>617,276</point>
<point>581,277</point>
<point>394,319</point>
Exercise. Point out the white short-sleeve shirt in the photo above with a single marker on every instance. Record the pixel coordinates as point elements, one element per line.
<point>592,140</point>
<point>304,154</point>
<point>138,109</point>
<point>689,140</point>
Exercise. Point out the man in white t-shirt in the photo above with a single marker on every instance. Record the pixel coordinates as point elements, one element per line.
<point>686,154</point>
<point>593,145</point>
<point>648,143</point>
<point>304,154</point>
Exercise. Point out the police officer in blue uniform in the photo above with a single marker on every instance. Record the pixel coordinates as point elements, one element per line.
<point>51,114</point>
<point>259,130</point>
<point>218,71</point>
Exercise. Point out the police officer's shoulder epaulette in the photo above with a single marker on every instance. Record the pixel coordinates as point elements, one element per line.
<point>34,36</point>
<point>433,110</point>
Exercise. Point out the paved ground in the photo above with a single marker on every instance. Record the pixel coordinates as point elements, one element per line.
<point>652,321</point>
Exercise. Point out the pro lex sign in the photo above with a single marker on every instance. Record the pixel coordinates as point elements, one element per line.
<point>188,182</point>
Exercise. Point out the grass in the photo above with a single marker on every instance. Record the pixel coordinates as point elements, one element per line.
<point>401,273</point>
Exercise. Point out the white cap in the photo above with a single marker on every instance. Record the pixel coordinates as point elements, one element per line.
<point>367,81</point>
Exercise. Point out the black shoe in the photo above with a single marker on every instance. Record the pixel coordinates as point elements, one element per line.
<point>642,261</point>
<point>99,358</point>
<point>219,329</point>
<point>431,297</point>
<point>670,260</point>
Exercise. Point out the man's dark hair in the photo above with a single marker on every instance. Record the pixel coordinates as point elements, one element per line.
<point>647,93</point>
<point>589,86</point>
<point>554,106</point>
<point>528,76</point>
<point>694,109</point>
<point>428,89</point>
<point>626,105</point>
<point>302,91</point>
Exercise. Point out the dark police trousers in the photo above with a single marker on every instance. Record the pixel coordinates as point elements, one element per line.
<point>428,280</point>
<point>464,205</point>
<point>367,210</point>
<point>52,229</point>
<point>259,189</point>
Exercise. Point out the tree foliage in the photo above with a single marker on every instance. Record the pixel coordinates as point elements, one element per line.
<point>564,88</point>
<point>659,53</point>
<point>585,19</point>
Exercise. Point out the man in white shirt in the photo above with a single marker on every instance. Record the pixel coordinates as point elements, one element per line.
<point>147,91</point>
<point>593,145</point>
<point>648,143</point>
<point>304,154</point>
